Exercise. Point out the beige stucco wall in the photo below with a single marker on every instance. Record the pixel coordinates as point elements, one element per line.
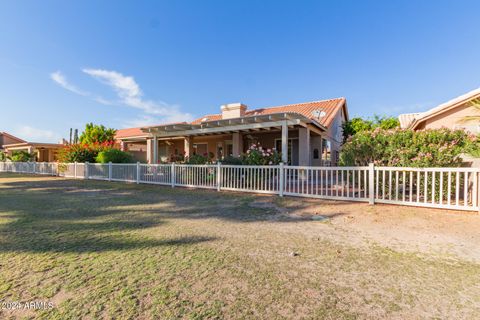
<point>7,140</point>
<point>452,119</point>
<point>335,134</point>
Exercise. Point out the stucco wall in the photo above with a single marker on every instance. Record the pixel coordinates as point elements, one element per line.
<point>452,119</point>
<point>7,140</point>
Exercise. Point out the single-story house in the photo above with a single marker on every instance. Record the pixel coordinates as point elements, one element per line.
<point>6,138</point>
<point>311,132</point>
<point>44,152</point>
<point>452,114</point>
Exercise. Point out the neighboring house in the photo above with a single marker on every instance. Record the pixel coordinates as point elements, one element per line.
<point>311,133</point>
<point>451,114</point>
<point>6,138</point>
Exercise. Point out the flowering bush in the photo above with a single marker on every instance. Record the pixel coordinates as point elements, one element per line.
<point>403,148</point>
<point>80,152</point>
<point>257,155</point>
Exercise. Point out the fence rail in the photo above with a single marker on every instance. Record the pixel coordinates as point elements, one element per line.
<point>448,188</point>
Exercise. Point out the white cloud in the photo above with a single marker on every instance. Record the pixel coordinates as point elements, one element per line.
<point>141,121</point>
<point>61,80</point>
<point>36,135</point>
<point>131,95</point>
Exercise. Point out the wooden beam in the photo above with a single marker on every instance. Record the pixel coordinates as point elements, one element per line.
<point>240,127</point>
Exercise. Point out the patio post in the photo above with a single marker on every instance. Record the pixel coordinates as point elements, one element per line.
<point>237,144</point>
<point>155,149</point>
<point>284,142</point>
<point>371,181</point>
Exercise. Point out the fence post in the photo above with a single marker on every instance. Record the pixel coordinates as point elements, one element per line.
<point>172,172</point>
<point>110,171</point>
<point>75,170</point>
<point>138,172</point>
<point>282,180</point>
<point>85,176</point>
<point>371,182</point>
<point>33,167</point>
<point>219,175</point>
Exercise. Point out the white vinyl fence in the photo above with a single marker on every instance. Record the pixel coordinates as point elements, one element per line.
<point>448,188</point>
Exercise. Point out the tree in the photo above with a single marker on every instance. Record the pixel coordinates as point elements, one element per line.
<point>476,105</point>
<point>94,134</point>
<point>355,125</point>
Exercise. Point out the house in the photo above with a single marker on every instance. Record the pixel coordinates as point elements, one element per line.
<point>6,138</point>
<point>311,133</point>
<point>452,114</point>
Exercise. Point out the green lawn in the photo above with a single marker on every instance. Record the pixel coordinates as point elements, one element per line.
<point>126,251</point>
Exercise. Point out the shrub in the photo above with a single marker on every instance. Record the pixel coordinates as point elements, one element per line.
<point>177,158</point>
<point>114,156</point>
<point>356,125</point>
<point>77,153</point>
<point>22,156</point>
<point>3,156</point>
<point>196,159</point>
<point>403,148</point>
<point>231,160</point>
<point>257,155</point>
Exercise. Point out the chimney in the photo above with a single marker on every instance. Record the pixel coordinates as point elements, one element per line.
<point>233,110</point>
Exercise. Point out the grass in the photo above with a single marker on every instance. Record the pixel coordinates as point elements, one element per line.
<point>125,251</point>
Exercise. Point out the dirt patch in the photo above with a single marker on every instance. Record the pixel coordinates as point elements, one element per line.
<point>401,228</point>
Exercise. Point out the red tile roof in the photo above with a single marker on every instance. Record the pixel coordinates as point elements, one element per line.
<point>330,107</point>
<point>129,132</point>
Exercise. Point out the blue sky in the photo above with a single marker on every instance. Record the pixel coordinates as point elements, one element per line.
<point>129,63</point>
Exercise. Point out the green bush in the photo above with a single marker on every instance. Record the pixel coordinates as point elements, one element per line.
<point>22,156</point>
<point>114,156</point>
<point>3,156</point>
<point>356,125</point>
<point>196,159</point>
<point>406,148</point>
<point>231,160</point>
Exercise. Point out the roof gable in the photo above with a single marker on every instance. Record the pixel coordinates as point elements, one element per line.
<point>413,120</point>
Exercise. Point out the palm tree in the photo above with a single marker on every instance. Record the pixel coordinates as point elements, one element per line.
<point>475,103</point>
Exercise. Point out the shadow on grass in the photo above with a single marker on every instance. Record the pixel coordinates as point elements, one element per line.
<point>45,214</point>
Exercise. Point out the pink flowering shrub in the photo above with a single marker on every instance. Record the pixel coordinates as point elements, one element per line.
<point>407,148</point>
<point>257,155</point>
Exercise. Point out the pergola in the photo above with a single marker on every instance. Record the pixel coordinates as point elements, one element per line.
<point>237,126</point>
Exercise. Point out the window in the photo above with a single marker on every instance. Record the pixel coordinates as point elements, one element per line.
<point>326,150</point>
<point>278,147</point>
<point>315,153</point>
<point>220,150</point>
<point>201,149</point>
<point>229,148</point>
